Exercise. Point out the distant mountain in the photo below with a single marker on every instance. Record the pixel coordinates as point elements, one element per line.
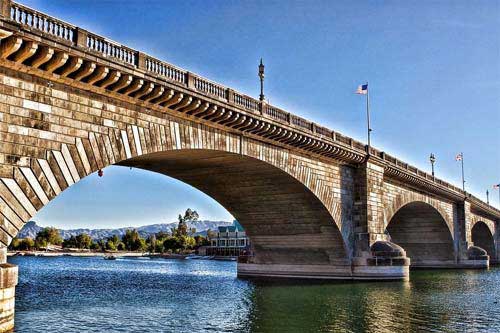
<point>30,229</point>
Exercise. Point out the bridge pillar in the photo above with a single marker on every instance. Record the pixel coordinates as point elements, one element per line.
<point>8,282</point>
<point>497,241</point>
<point>467,255</point>
<point>374,255</point>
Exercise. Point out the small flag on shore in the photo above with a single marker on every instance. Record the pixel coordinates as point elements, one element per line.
<point>362,89</point>
<point>459,157</point>
<point>496,186</point>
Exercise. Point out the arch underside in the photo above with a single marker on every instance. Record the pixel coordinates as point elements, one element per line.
<point>482,237</point>
<point>421,230</point>
<point>286,222</point>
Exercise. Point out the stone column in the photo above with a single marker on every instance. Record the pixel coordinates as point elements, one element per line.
<point>374,254</point>
<point>468,255</point>
<point>8,282</point>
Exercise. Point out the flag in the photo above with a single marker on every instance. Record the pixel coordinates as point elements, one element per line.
<point>459,157</point>
<point>496,186</point>
<point>362,89</point>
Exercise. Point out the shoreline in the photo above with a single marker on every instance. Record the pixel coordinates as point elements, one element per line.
<point>73,254</point>
<point>115,254</point>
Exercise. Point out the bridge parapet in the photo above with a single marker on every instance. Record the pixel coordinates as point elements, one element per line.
<point>156,79</point>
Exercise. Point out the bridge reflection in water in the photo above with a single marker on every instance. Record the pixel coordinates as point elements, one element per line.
<point>438,300</point>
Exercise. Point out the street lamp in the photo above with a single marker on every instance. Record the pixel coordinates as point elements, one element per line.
<point>432,158</point>
<point>261,76</point>
<point>487,197</point>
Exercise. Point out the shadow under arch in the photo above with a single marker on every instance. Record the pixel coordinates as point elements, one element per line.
<point>286,222</point>
<point>482,237</point>
<point>422,231</point>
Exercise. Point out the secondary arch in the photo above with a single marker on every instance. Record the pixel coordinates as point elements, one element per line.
<point>482,237</point>
<point>422,231</point>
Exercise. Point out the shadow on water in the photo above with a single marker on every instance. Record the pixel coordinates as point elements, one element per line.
<point>91,294</point>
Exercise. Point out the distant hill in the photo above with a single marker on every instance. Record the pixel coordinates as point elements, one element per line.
<point>30,229</point>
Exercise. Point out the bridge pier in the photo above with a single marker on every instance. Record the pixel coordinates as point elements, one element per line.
<point>8,282</point>
<point>469,255</point>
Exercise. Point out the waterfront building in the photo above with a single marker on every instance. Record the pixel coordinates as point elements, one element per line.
<point>229,241</point>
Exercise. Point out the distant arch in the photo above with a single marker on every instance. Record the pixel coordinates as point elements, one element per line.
<point>402,200</point>
<point>483,237</point>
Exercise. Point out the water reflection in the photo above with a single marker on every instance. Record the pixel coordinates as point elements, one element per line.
<point>450,301</point>
<point>90,294</point>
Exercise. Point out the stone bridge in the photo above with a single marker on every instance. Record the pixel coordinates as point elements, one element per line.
<point>316,204</point>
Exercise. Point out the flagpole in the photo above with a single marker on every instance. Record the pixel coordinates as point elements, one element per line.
<point>463,175</point>
<point>498,188</point>
<point>368,114</point>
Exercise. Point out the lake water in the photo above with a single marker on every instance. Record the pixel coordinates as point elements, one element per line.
<point>69,294</point>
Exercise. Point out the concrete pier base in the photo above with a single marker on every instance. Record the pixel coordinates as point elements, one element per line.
<point>8,282</point>
<point>442,264</point>
<point>324,272</point>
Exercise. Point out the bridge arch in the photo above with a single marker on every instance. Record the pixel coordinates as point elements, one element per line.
<point>403,199</point>
<point>273,193</point>
<point>482,235</point>
<point>422,230</point>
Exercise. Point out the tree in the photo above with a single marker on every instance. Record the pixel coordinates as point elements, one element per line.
<point>27,244</point>
<point>70,242</point>
<point>22,244</point>
<point>211,234</point>
<point>172,243</point>
<point>131,240</point>
<point>159,246</point>
<point>151,241</point>
<point>83,241</point>
<point>189,216</point>
<point>48,236</point>
<point>201,241</point>
<point>120,246</point>
<point>14,244</point>
<point>95,246</point>
<point>110,246</point>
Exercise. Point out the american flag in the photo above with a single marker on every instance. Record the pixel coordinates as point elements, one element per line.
<point>496,186</point>
<point>459,157</point>
<point>362,89</point>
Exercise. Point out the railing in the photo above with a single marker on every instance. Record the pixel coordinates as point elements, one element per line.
<point>358,145</point>
<point>276,113</point>
<point>300,122</point>
<point>209,87</point>
<point>343,139</point>
<point>324,131</point>
<point>111,49</point>
<point>246,102</point>
<point>35,20</point>
<point>164,69</point>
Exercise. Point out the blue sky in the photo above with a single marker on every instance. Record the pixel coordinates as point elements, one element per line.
<point>433,68</point>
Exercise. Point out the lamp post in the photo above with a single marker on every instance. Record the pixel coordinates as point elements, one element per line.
<point>487,197</point>
<point>261,76</point>
<point>432,159</point>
